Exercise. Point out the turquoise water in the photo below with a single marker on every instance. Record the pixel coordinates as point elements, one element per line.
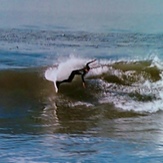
<point>117,118</point>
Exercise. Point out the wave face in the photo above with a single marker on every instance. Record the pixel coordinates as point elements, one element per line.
<point>119,85</point>
<point>127,85</point>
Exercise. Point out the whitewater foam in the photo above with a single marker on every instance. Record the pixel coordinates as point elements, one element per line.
<point>64,68</point>
<point>147,97</point>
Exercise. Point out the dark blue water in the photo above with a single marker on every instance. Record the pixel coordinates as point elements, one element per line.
<point>76,148</point>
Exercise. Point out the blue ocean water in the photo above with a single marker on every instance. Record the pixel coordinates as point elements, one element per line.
<point>117,118</point>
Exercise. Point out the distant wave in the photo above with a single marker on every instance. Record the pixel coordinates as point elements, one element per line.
<point>45,41</point>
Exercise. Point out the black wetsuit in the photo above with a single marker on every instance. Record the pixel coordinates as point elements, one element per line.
<point>81,72</point>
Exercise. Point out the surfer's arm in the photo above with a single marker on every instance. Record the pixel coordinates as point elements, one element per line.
<point>90,62</point>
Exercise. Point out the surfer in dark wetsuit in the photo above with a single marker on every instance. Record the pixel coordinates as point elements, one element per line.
<point>81,72</point>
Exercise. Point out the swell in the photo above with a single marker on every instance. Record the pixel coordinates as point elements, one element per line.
<point>121,83</point>
<point>27,98</point>
<point>119,73</point>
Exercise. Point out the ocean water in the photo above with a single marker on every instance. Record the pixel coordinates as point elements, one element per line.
<point>117,118</point>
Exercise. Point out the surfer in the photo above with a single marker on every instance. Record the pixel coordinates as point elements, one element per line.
<point>81,72</point>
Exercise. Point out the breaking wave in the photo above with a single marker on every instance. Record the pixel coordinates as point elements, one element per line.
<point>122,85</point>
<point>129,85</point>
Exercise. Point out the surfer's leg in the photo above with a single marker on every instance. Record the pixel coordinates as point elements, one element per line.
<point>58,84</point>
<point>71,77</point>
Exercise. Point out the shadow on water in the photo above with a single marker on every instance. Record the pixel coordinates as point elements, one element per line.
<point>81,119</point>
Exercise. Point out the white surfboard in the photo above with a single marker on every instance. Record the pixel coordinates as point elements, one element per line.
<point>63,70</point>
<point>56,88</point>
